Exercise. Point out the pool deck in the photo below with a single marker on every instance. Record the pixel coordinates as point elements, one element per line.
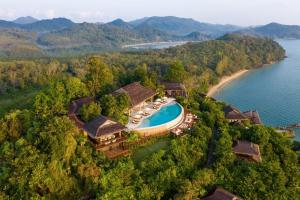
<point>132,126</point>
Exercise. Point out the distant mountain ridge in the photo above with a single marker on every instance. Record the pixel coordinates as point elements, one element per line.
<point>40,25</point>
<point>27,36</point>
<point>274,30</point>
<point>25,20</point>
<point>184,26</point>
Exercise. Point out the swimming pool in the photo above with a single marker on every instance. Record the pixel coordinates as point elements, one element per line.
<point>165,115</point>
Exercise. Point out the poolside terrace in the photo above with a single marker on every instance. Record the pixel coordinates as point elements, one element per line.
<point>146,111</point>
<point>187,123</point>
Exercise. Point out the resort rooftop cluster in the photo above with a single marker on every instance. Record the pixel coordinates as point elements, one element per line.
<point>109,135</point>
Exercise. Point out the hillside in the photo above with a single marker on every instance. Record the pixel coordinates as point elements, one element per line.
<point>25,20</point>
<point>46,25</point>
<point>205,62</point>
<point>183,26</point>
<point>275,30</point>
<point>44,155</point>
<point>60,37</point>
<point>18,43</point>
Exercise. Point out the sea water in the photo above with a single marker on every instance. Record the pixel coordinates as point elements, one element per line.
<point>274,90</point>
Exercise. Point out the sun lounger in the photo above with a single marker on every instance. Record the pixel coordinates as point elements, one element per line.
<point>135,121</point>
<point>188,120</point>
<point>177,131</point>
<point>146,114</point>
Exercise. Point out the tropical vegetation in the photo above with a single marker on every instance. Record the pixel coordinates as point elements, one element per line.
<point>45,156</point>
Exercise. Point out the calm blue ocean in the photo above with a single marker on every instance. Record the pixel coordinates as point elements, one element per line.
<point>274,91</point>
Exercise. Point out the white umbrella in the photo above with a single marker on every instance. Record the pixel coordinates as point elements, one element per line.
<point>158,100</point>
<point>165,98</point>
<point>140,112</point>
<point>147,109</point>
<point>137,116</point>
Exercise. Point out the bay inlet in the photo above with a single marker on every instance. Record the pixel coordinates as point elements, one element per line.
<point>274,90</point>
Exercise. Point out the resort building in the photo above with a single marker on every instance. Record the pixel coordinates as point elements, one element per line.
<point>105,133</point>
<point>253,116</point>
<point>234,115</point>
<point>247,150</point>
<point>107,136</point>
<point>174,89</point>
<point>138,95</point>
<point>221,194</point>
<point>74,107</point>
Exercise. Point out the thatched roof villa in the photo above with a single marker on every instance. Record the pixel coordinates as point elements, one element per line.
<point>221,194</point>
<point>174,89</point>
<point>247,150</point>
<point>137,93</point>
<point>235,115</point>
<point>74,107</point>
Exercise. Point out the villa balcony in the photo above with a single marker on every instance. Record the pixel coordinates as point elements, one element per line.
<point>108,144</point>
<point>117,152</point>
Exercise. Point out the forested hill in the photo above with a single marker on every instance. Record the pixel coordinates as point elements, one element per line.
<point>44,155</point>
<point>61,37</point>
<point>275,31</point>
<point>199,64</point>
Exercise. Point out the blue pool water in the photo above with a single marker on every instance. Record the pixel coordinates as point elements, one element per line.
<point>165,114</point>
<point>273,90</point>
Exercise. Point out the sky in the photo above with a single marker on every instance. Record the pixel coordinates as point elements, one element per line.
<point>238,12</point>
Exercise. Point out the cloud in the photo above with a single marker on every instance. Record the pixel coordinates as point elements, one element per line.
<point>50,13</point>
<point>90,16</point>
<point>7,13</point>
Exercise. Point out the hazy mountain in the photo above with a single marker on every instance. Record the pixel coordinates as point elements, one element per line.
<point>104,36</point>
<point>18,43</point>
<point>139,21</point>
<point>7,24</point>
<point>196,36</point>
<point>49,25</point>
<point>274,30</point>
<point>25,20</point>
<point>121,24</point>
<point>46,25</point>
<point>183,26</point>
<point>60,36</point>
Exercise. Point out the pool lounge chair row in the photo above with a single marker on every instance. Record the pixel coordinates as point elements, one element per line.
<point>187,124</point>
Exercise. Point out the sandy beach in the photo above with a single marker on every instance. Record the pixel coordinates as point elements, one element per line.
<point>226,79</point>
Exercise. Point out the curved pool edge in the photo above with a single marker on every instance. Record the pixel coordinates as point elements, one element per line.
<point>159,129</point>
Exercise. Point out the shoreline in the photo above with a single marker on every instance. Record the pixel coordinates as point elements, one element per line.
<point>225,80</point>
<point>153,43</point>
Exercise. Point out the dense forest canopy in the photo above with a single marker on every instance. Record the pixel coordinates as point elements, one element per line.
<point>44,155</point>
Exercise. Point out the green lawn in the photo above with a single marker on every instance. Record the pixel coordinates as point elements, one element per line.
<point>143,152</point>
<point>17,100</point>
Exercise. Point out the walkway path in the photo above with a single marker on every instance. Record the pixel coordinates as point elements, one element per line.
<point>211,147</point>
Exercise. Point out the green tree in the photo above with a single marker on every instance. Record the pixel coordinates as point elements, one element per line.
<point>89,111</point>
<point>99,77</point>
<point>175,72</point>
<point>109,105</point>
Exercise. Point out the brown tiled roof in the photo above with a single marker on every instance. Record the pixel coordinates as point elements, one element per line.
<point>221,194</point>
<point>77,121</point>
<point>136,92</point>
<point>102,125</point>
<point>173,86</point>
<point>73,108</point>
<point>234,113</point>
<point>76,104</point>
<point>253,116</point>
<point>248,149</point>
